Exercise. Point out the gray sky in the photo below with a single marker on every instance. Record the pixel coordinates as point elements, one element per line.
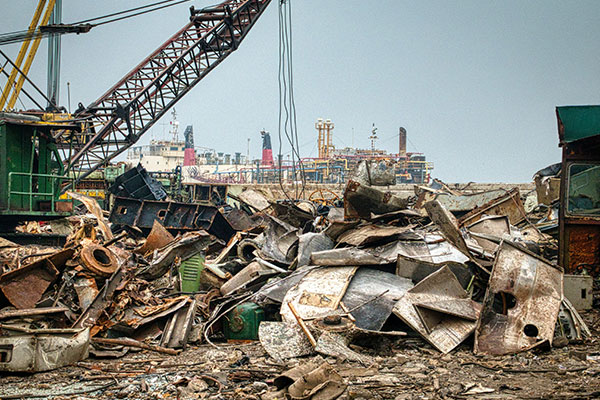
<point>474,82</point>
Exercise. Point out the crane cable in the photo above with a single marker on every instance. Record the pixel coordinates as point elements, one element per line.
<point>287,105</point>
<point>25,35</point>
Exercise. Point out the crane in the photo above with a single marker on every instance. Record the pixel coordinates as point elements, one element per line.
<point>115,121</point>
<point>54,151</point>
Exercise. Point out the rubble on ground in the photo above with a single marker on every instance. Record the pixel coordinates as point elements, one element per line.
<point>368,295</point>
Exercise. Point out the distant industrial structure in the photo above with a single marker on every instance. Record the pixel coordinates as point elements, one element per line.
<point>332,165</point>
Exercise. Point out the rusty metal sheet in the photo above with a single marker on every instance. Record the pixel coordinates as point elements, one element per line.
<point>282,341</point>
<point>318,294</point>
<point>447,224</point>
<point>247,276</point>
<point>370,233</point>
<point>521,303</point>
<point>459,203</point>
<point>360,201</point>
<point>276,289</point>
<point>495,225</point>
<point>24,286</point>
<point>417,270</point>
<point>508,204</point>
<point>177,331</point>
<point>368,284</point>
<point>86,290</point>
<point>422,308</point>
<point>184,247</point>
<point>432,249</point>
<point>240,220</point>
<point>309,243</point>
<point>137,317</point>
<point>157,238</point>
<point>254,199</point>
<point>102,300</point>
<point>338,227</point>
<point>375,173</point>
<point>292,213</point>
<point>279,237</point>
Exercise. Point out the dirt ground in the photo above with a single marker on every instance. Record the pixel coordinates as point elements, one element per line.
<point>406,368</point>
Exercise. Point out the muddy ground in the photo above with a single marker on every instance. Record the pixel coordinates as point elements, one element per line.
<point>406,368</point>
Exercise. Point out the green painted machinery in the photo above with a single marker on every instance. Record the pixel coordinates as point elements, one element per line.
<point>242,322</point>
<point>31,173</point>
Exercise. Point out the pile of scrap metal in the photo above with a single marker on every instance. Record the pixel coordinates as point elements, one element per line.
<point>302,277</point>
<point>442,265</point>
<point>104,293</point>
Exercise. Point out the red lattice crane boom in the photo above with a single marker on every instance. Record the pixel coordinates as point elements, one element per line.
<point>126,111</point>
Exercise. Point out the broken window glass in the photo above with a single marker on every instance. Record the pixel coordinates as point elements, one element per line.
<point>584,189</point>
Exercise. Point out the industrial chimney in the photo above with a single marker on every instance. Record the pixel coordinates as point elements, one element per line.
<point>267,150</point>
<point>189,155</point>
<point>402,144</point>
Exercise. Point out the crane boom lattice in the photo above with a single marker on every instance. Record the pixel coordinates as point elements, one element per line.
<point>127,110</point>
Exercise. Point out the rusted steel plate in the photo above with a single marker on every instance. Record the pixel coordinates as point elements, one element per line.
<point>508,204</point>
<point>86,290</point>
<point>459,203</point>
<point>432,249</point>
<point>24,286</point>
<point>417,270</point>
<point>521,303</point>
<point>439,309</point>
<point>583,251</point>
<point>255,199</point>
<point>374,233</point>
<point>318,294</point>
<point>447,224</point>
<point>102,300</point>
<point>367,284</point>
<point>158,237</point>
<point>361,201</point>
<point>495,225</point>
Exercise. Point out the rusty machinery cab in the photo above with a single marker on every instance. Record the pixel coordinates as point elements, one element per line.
<point>579,218</point>
<point>31,172</point>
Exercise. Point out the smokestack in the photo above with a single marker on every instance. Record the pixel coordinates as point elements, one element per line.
<point>402,144</point>
<point>189,155</point>
<point>267,150</point>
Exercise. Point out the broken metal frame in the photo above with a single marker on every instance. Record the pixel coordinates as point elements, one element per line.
<point>172,216</point>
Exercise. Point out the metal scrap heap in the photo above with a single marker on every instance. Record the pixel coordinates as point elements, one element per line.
<point>307,299</point>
